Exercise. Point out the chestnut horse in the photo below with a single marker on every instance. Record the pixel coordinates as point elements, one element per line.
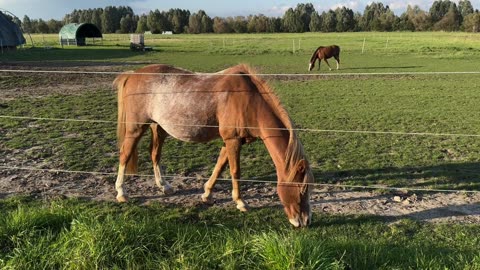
<point>325,53</point>
<point>234,105</point>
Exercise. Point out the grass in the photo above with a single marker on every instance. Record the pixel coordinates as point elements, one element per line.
<point>405,104</point>
<point>273,53</point>
<point>76,234</point>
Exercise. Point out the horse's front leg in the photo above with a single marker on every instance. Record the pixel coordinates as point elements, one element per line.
<point>233,152</point>
<point>158,138</point>
<point>219,167</point>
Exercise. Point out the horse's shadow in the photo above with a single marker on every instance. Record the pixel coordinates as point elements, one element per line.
<point>380,67</point>
<point>459,175</point>
<point>452,211</point>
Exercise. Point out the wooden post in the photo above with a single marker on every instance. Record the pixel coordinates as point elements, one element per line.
<point>363,46</point>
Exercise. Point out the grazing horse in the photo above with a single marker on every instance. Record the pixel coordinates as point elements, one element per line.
<point>325,53</point>
<point>234,105</point>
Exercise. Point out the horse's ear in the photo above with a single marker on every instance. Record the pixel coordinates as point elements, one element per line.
<point>302,165</point>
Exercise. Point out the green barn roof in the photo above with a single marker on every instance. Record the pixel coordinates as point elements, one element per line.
<point>78,32</point>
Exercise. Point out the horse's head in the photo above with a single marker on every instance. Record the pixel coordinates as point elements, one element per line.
<point>311,65</point>
<point>294,193</point>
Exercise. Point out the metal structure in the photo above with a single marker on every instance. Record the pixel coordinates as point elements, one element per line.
<point>11,34</point>
<point>77,34</point>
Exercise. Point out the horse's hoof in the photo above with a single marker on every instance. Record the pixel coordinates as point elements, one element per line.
<point>208,199</point>
<point>243,207</point>
<point>122,199</point>
<point>168,190</point>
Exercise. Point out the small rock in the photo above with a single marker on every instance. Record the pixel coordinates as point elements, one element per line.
<point>397,199</point>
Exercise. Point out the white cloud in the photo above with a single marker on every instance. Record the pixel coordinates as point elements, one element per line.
<point>277,11</point>
<point>353,5</point>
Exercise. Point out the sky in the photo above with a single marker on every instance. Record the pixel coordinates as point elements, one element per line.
<point>56,9</point>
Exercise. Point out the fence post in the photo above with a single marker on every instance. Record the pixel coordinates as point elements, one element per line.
<point>363,46</point>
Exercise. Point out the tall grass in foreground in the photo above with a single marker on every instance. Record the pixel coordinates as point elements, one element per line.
<point>74,234</point>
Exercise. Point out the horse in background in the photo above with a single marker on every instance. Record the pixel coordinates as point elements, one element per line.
<point>325,53</point>
<point>234,105</point>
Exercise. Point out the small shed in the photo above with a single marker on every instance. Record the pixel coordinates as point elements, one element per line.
<point>10,34</point>
<point>76,33</point>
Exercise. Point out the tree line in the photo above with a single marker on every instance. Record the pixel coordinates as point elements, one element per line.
<point>443,15</point>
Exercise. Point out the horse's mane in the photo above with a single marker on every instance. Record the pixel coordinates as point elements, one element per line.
<point>314,54</point>
<point>295,152</point>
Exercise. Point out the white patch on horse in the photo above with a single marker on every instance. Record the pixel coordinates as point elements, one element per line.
<point>194,110</point>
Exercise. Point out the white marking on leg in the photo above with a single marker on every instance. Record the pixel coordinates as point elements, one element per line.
<point>166,188</point>
<point>119,184</point>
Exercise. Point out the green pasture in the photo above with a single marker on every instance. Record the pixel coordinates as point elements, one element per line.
<point>431,140</point>
<point>274,53</point>
<point>75,234</point>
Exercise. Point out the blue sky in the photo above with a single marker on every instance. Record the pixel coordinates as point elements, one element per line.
<point>56,9</point>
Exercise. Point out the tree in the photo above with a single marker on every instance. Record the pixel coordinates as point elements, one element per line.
<point>108,19</point>
<point>27,24</point>
<point>157,22</point>
<point>417,18</point>
<point>304,12</point>
<point>274,25</point>
<point>178,19</point>
<point>345,20</point>
<point>377,17</point>
<point>239,24</point>
<point>450,21</point>
<point>465,8</point>
<point>97,18</point>
<point>200,22</point>
<point>329,21</point>
<point>439,9</point>
<point>54,26</point>
<point>315,22</point>
<point>471,22</point>
<point>142,24</point>
<point>292,22</point>
<point>126,24</point>
<point>220,26</point>
<point>42,26</point>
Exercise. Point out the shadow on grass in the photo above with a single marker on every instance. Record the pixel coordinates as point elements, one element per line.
<point>457,176</point>
<point>381,67</point>
<point>73,54</point>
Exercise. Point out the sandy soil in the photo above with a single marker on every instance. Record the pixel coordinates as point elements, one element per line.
<point>431,207</point>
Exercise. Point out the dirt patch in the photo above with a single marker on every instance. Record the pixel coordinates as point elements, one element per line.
<point>432,207</point>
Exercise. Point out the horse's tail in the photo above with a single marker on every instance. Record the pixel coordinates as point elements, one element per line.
<point>119,84</point>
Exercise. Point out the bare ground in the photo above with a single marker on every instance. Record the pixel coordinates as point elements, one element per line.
<point>432,207</point>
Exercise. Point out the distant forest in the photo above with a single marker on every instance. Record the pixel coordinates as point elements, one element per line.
<point>443,15</point>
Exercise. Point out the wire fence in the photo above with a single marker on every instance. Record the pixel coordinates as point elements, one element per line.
<point>216,126</point>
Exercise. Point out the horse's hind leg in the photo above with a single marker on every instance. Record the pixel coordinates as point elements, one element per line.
<point>158,138</point>
<point>219,167</point>
<point>325,59</point>
<point>128,154</point>
<point>337,58</point>
<point>233,153</point>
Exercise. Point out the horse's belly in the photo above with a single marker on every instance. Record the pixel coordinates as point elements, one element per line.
<point>192,125</point>
<point>191,133</point>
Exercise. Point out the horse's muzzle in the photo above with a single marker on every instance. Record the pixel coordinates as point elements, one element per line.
<point>301,220</point>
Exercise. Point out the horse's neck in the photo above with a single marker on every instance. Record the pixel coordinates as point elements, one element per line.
<point>276,147</point>
<point>314,57</point>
